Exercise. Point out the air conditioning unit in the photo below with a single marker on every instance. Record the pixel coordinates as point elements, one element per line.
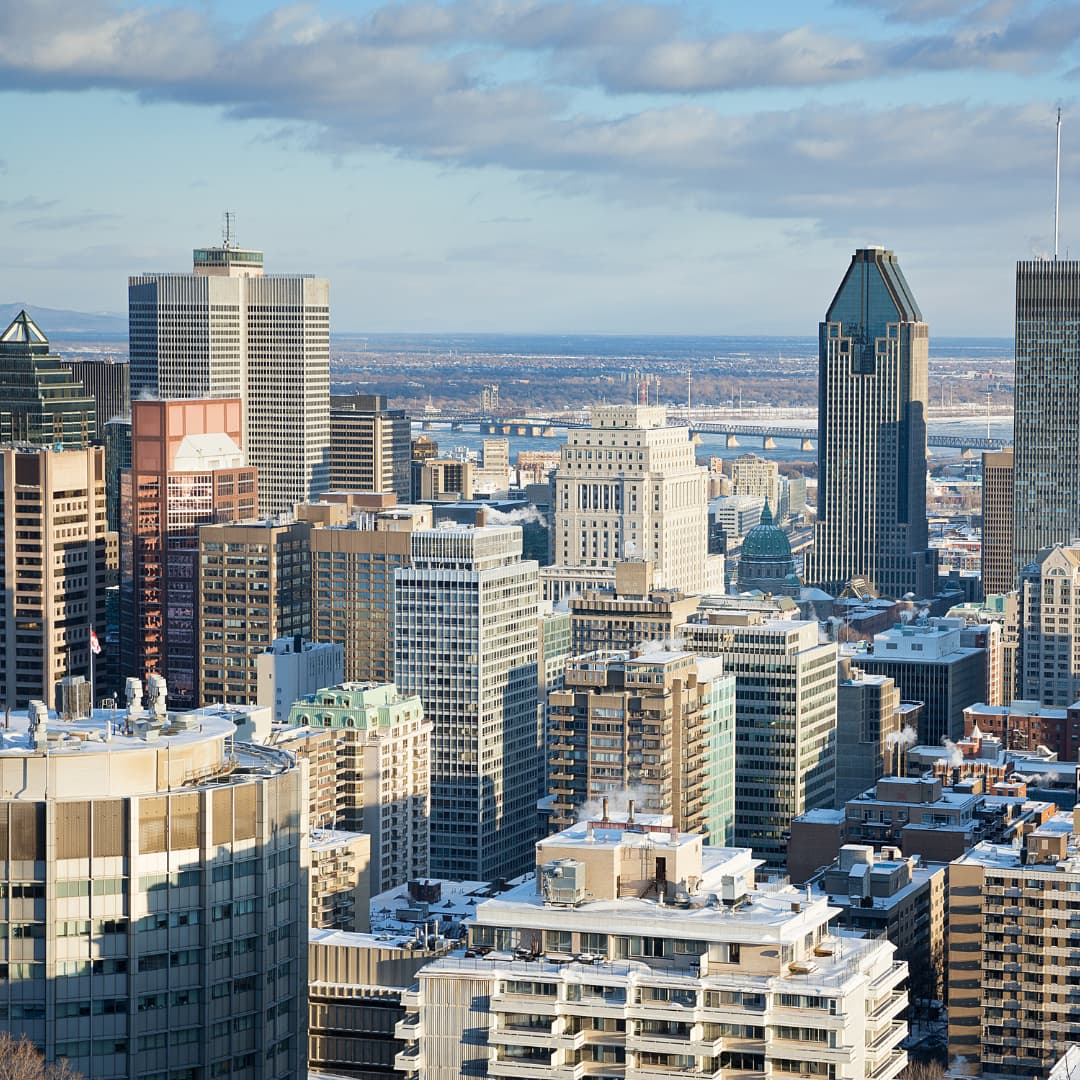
<point>563,882</point>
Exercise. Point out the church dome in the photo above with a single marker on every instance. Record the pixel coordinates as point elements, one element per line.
<point>766,540</point>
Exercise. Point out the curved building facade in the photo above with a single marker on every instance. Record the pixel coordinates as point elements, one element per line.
<point>766,562</point>
<point>153,892</point>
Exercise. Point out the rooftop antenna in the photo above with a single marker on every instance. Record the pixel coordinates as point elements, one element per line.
<point>230,221</point>
<point>1057,184</point>
<point>689,374</point>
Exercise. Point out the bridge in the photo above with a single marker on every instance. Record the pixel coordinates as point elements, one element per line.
<point>546,426</point>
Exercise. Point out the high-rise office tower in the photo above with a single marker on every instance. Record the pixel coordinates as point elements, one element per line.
<point>254,587</point>
<point>358,545</point>
<point>659,724</point>
<point>106,381</point>
<point>1048,665</point>
<point>155,872</point>
<point>628,486</point>
<point>228,330</point>
<point>869,722</point>
<point>785,719</point>
<point>40,401</point>
<point>466,645</point>
<point>872,385</point>
<point>1046,435</point>
<point>187,470</point>
<point>370,445</point>
<point>57,558</point>
<point>117,439</point>
<point>998,572</point>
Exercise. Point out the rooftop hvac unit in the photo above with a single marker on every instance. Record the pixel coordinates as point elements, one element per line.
<point>563,882</point>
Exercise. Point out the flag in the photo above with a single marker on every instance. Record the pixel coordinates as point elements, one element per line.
<point>95,645</point>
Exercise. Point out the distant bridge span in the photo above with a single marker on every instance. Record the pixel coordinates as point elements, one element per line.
<point>769,433</point>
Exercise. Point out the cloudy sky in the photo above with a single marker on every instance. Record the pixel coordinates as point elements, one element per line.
<point>700,166</point>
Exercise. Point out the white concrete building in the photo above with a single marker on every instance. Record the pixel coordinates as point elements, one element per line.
<point>785,719</point>
<point>292,668</point>
<point>628,486</point>
<point>466,629</point>
<point>155,876</point>
<point>736,515</point>
<point>638,953</point>
<point>228,330</point>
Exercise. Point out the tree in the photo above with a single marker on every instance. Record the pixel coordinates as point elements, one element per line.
<point>20,1059</point>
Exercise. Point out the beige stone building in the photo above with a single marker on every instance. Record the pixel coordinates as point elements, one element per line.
<point>340,880</point>
<point>254,587</point>
<point>57,560</point>
<point>998,572</point>
<point>656,726</point>
<point>637,952</point>
<point>1048,664</point>
<point>370,445</point>
<point>382,744</point>
<point>631,613</point>
<point>1013,942</point>
<point>628,486</point>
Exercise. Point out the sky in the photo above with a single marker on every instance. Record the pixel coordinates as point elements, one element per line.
<point>559,166</point>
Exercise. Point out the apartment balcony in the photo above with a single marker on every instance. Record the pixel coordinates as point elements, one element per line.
<point>410,999</point>
<point>521,1068</point>
<point>664,1010</point>
<point>659,1043</point>
<point>516,1003</point>
<point>710,1068</point>
<point>890,1068</point>
<point>889,979</point>
<point>599,1008</point>
<point>886,1041</point>
<point>887,1008</point>
<point>409,1061</point>
<point>805,1048</point>
<point>408,1027</point>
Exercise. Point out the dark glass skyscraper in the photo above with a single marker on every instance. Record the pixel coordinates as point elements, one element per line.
<point>40,401</point>
<point>1046,478</point>
<point>872,384</point>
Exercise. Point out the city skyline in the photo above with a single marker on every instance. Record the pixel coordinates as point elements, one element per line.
<point>536,165</point>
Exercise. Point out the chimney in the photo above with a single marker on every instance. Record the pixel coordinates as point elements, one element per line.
<point>481,518</point>
<point>630,812</point>
<point>603,803</point>
<point>298,644</point>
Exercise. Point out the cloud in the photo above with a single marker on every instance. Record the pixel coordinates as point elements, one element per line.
<point>427,81</point>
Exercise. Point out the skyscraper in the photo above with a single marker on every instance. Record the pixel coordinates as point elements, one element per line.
<point>872,385</point>
<point>1046,434</point>
<point>466,645</point>
<point>56,558</point>
<point>228,330</point>
<point>106,381</point>
<point>370,445</point>
<point>628,486</point>
<point>187,470</point>
<point>998,573</point>
<point>40,401</point>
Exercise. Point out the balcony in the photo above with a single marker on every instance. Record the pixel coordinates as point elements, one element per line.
<point>886,1041</point>
<point>887,1008</point>
<point>890,1068</point>
<point>408,1027</point>
<point>521,1067</point>
<point>409,1060</point>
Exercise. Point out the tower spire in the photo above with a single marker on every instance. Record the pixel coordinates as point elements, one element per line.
<point>1057,184</point>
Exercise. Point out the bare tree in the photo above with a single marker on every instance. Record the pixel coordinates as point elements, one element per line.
<point>923,1070</point>
<point>20,1059</point>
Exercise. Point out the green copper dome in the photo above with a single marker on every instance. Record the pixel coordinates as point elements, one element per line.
<point>766,540</point>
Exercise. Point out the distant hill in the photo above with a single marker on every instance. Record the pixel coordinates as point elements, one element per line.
<point>59,323</point>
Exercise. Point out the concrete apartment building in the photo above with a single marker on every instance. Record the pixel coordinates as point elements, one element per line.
<point>785,719</point>
<point>370,445</point>
<point>466,623</point>
<point>254,587</point>
<point>1014,995</point>
<point>900,897</point>
<point>630,614</point>
<point>759,477</point>
<point>230,330</point>
<point>998,571</point>
<point>919,816</point>
<point>187,469</point>
<point>58,559</point>
<point>637,952</point>
<point>378,772</point>
<point>1048,665</point>
<point>657,724</point>
<point>155,871</point>
<point>929,662</point>
<point>340,880</point>
<point>443,480</point>
<point>358,545</point>
<point>628,486</point>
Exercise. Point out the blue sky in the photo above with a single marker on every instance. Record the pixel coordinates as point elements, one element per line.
<point>543,165</point>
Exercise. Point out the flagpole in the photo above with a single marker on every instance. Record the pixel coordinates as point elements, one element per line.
<point>91,671</point>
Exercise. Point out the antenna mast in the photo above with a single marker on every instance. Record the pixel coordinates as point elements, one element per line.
<point>230,218</point>
<point>1057,185</point>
